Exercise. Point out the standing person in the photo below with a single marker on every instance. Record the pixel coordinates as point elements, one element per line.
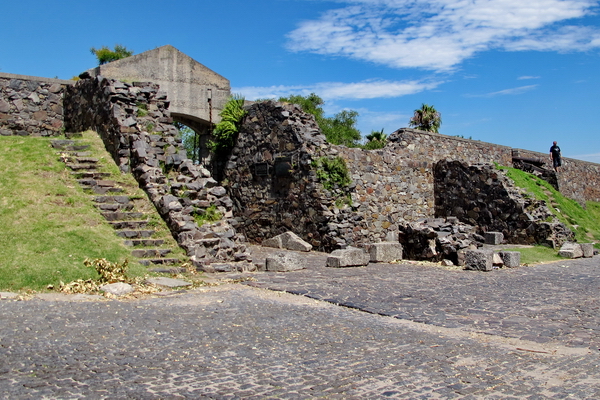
<point>555,156</point>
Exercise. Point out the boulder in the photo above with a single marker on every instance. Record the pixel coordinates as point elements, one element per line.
<point>385,252</point>
<point>283,262</point>
<point>571,250</point>
<point>479,260</point>
<point>289,241</point>
<point>117,289</point>
<point>510,259</point>
<point>350,257</point>
<point>587,249</point>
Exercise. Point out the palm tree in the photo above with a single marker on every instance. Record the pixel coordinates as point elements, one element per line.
<point>426,118</point>
<point>376,140</point>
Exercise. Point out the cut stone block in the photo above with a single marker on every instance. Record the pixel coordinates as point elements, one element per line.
<point>494,237</point>
<point>571,250</point>
<point>283,262</point>
<point>497,260</point>
<point>510,259</point>
<point>385,252</point>
<point>587,249</point>
<point>117,289</point>
<point>479,260</point>
<point>350,257</point>
<point>288,240</point>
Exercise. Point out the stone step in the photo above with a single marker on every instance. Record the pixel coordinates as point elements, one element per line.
<point>131,225</point>
<point>114,207</point>
<point>150,253</point>
<point>159,261</point>
<point>68,145</point>
<point>91,175</point>
<point>122,216</point>
<point>87,160</point>
<point>103,190</point>
<point>112,199</point>
<point>144,242</point>
<point>96,182</point>
<point>81,167</point>
<point>134,234</point>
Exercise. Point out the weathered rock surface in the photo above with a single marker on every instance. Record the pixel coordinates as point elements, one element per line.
<point>385,252</point>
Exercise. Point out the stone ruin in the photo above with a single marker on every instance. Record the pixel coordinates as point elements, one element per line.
<point>271,178</point>
<point>408,193</point>
<point>135,125</point>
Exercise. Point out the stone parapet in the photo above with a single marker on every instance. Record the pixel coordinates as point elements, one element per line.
<point>31,106</point>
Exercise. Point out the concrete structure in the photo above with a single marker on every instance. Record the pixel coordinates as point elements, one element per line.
<point>196,93</point>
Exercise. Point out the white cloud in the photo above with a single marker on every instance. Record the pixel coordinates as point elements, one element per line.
<point>528,77</point>
<point>369,89</point>
<point>512,91</point>
<point>439,34</point>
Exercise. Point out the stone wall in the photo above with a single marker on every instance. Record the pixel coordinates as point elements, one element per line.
<point>270,179</point>
<point>31,106</point>
<point>482,196</point>
<point>389,190</point>
<point>134,123</point>
<point>432,147</point>
<point>579,180</point>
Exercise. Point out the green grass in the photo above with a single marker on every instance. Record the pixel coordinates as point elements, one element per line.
<point>537,254</point>
<point>48,225</point>
<point>584,222</point>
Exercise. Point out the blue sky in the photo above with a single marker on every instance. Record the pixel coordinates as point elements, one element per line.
<point>512,72</point>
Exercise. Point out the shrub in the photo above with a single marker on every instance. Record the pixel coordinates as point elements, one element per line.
<point>225,133</point>
<point>332,172</point>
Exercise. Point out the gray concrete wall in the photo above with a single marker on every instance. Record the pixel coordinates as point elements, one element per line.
<point>197,94</point>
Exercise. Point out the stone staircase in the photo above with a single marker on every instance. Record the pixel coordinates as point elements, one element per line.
<point>116,206</point>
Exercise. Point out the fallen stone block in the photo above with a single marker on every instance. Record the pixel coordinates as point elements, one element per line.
<point>497,260</point>
<point>385,252</point>
<point>287,240</point>
<point>283,262</point>
<point>510,259</point>
<point>494,237</point>
<point>479,260</point>
<point>117,289</point>
<point>350,257</point>
<point>587,249</point>
<point>571,250</point>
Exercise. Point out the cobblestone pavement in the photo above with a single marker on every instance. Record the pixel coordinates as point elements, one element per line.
<point>529,333</point>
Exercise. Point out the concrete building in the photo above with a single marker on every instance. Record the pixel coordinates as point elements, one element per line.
<point>196,93</point>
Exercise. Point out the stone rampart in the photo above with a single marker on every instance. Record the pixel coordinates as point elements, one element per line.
<point>432,147</point>
<point>31,106</point>
<point>579,180</point>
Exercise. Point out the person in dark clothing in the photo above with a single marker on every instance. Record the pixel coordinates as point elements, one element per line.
<point>555,156</point>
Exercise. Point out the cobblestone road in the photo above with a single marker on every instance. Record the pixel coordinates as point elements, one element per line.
<point>530,332</point>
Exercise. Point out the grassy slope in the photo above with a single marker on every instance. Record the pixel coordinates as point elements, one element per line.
<point>585,222</point>
<point>48,225</point>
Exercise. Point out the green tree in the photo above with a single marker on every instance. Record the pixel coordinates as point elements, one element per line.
<point>339,129</point>
<point>426,118</point>
<point>106,55</point>
<point>376,140</point>
<point>188,139</point>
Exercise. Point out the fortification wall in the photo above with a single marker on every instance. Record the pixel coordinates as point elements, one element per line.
<point>579,180</point>
<point>31,106</point>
